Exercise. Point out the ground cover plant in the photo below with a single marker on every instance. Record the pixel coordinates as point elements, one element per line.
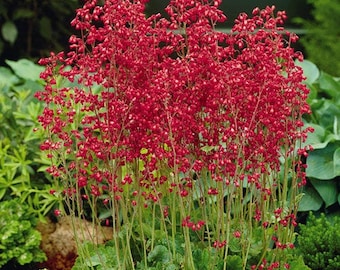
<point>19,240</point>
<point>184,139</point>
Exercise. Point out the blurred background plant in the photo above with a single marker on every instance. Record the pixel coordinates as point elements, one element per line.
<point>322,39</point>
<point>32,28</point>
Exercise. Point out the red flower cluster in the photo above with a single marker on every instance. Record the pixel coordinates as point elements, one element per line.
<point>192,225</point>
<point>139,85</point>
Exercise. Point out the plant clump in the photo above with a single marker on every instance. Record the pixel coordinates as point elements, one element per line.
<point>318,242</point>
<point>19,240</point>
<point>177,132</point>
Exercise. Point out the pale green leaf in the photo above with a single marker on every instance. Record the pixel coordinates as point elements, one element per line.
<point>326,189</point>
<point>26,69</point>
<point>311,200</point>
<point>9,32</point>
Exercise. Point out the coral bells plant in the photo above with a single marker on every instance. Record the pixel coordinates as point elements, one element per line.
<point>185,138</point>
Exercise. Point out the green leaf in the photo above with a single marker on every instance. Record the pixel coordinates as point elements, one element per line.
<point>311,200</point>
<point>7,78</point>
<point>46,28</point>
<point>23,13</point>
<point>310,71</point>
<point>26,69</point>
<point>234,262</point>
<point>9,32</point>
<point>316,139</point>
<point>326,189</point>
<point>159,254</point>
<point>298,264</point>
<point>329,85</point>
<point>324,163</point>
<point>329,114</point>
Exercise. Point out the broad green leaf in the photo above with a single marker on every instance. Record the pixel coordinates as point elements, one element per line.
<point>7,78</point>
<point>311,200</point>
<point>313,93</point>
<point>337,161</point>
<point>234,262</point>
<point>321,163</point>
<point>310,71</point>
<point>326,189</point>
<point>29,85</point>
<point>9,32</point>
<point>26,69</point>
<point>316,139</point>
<point>328,115</point>
<point>329,85</point>
<point>159,254</point>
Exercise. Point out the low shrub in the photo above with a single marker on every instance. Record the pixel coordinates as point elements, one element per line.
<point>19,240</point>
<point>319,242</point>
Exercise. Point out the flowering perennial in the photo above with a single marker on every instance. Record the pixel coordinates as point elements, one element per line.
<point>146,113</point>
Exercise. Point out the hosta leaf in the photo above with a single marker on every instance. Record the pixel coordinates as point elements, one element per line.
<point>311,200</point>
<point>326,189</point>
<point>323,163</point>
<point>310,71</point>
<point>329,85</point>
<point>316,139</point>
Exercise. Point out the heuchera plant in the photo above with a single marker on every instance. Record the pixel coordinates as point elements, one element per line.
<point>179,129</point>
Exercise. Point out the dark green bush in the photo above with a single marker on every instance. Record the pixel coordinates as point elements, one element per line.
<point>319,243</point>
<point>322,40</point>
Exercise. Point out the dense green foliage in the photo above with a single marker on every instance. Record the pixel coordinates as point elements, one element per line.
<point>322,40</point>
<point>19,142</point>
<point>319,243</point>
<point>323,171</point>
<point>19,240</point>
<point>33,28</point>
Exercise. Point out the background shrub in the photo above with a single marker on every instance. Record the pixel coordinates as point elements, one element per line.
<point>319,243</point>
<point>322,40</point>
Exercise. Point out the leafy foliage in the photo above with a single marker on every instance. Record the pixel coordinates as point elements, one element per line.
<point>19,142</point>
<point>32,28</point>
<point>322,40</point>
<point>323,162</point>
<point>319,242</point>
<point>19,240</point>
